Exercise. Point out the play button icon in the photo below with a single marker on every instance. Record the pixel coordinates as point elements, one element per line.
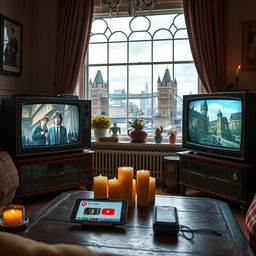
<point>108,211</point>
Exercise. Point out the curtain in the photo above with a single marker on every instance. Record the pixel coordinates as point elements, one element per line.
<point>205,25</point>
<point>74,26</point>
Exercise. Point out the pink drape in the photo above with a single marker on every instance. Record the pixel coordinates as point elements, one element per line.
<point>74,26</point>
<point>205,25</point>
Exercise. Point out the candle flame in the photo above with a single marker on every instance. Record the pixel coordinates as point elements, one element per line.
<point>238,68</point>
<point>114,178</point>
<point>100,174</point>
<point>12,211</point>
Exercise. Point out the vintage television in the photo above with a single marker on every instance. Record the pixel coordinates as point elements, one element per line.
<point>22,131</point>
<point>220,124</point>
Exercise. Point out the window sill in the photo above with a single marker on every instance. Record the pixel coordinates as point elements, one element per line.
<point>141,146</point>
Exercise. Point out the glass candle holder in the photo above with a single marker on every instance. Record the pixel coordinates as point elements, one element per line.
<point>12,215</point>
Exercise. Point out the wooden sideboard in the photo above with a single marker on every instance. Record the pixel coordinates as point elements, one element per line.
<point>43,174</point>
<point>227,179</point>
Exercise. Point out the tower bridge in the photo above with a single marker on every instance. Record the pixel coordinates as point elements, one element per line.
<point>138,96</point>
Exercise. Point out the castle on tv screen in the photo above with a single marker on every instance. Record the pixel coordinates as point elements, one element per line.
<point>215,123</point>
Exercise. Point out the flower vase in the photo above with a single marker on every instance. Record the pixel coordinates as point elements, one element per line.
<point>158,138</point>
<point>99,133</point>
<point>137,135</point>
<point>172,139</point>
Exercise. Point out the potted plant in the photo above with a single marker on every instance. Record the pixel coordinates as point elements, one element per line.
<point>158,134</point>
<point>137,125</point>
<point>100,124</point>
<point>172,136</point>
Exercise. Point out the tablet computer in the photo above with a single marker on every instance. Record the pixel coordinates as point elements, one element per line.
<point>99,212</point>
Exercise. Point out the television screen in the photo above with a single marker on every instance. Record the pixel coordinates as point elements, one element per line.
<point>215,122</point>
<point>49,124</point>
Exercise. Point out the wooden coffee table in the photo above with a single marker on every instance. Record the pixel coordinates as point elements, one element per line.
<point>51,225</point>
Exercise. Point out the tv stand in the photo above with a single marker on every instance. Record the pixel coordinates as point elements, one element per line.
<point>42,174</point>
<point>227,179</point>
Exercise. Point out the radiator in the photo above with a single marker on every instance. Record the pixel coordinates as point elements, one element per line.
<point>107,161</point>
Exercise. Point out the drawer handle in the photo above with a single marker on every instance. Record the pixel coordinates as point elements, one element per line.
<point>234,177</point>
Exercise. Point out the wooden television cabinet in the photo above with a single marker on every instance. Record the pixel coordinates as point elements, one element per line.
<point>41,174</point>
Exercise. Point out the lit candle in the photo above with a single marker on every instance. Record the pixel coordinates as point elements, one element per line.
<point>142,187</point>
<point>100,186</point>
<point>12,217</point>
<point>114,189</point>
<point>133,190</point>
<point>125,174</point>
<point>237,73</point>
<point>152,188</point>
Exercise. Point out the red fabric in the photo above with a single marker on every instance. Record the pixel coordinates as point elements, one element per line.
<point>250,224</point>
<point>74,27</point>
<point>205,22</point>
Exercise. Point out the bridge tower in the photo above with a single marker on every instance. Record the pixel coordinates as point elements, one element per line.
<point>100,105</point>
<point>166,96</point>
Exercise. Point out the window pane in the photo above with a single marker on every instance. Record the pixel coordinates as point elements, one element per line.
<point>117,52</point>
<point>162,50</point>
<point>118,96</point>
<point>97,53</point>
<point>139,52</point>
<point>182,50</point>
<point>187,79</point>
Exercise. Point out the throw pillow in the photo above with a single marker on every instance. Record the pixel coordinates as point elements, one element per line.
<point>13,245</point>
<point>9,180</point>
<point>250,224</point>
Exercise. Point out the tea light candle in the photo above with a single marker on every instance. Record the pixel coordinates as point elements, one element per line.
<point>114,189</point>
<point>142,187</point>
<point>12,217</point>
<point>134,190</point>
<point>125,174</point>
<point>152,188</point>
<point>100,186</point>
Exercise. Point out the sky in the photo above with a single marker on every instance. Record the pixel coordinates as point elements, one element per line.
<point>226,107</point>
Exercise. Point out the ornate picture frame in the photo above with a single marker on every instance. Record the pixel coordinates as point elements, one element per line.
<point>11,46</point>
<point>249,45</point>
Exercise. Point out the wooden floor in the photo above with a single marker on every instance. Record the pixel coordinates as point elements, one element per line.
<point>32,204</point>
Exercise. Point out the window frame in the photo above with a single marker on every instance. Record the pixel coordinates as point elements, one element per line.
<point>84,92</point>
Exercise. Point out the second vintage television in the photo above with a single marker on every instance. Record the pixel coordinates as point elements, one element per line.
<point>220,124</point>
<point>35,125</point>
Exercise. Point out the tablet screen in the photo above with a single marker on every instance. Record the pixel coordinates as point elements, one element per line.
<point>90,210</point>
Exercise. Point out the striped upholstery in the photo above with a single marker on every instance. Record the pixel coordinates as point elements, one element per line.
<point>250,224</point>
<point>9,179</point>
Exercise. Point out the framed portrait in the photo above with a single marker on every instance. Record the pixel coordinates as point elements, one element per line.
<point>249,45</point>
<point>11,46</point>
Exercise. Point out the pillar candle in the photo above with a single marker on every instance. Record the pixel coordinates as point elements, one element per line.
<point>125,174</point>
<point>114,189</point>
<point>134,190</point>
<point>142,188</point>
<point>100,186</point>
<point>12,217</point>
<point>152,188</point>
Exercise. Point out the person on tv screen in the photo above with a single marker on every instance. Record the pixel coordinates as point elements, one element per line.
<point>57,133</point>
<point>72,135</point>
<point>40,133</point>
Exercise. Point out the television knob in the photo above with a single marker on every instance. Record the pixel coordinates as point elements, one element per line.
<point>235,177</point>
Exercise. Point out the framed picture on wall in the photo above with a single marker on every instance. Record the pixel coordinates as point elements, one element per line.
<point>249,45</point>
<point>11,46</point>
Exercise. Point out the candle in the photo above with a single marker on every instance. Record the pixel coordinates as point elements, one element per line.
<point>100,186</point>
<point>152,188</point>
<point>142,187</point>
<point>133,190</point>
<point>12,217</point>
<point>114,189</point>
<point>125,174</point>
<point>237,73</point>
